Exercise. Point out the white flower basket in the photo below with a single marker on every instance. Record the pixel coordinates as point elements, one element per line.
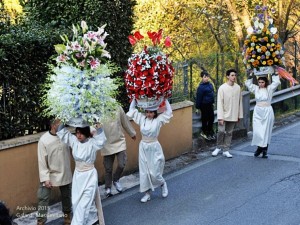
<point>145,103</point>
<point>77,122</point>
<point>263,71</point>
<point>81,98</point>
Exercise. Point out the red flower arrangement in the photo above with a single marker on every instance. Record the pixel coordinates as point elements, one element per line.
<point>149,75</point>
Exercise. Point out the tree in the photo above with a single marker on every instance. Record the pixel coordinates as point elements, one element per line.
<point>10,9</point>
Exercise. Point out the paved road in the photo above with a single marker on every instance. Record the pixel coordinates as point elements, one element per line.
<point>218,191</point>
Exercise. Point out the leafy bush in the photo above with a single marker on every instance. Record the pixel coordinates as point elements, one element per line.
<point>22,73</point>
<point>25,50</point>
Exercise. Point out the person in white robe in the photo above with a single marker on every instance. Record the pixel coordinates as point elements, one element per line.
<point>151,156</point>
<point>263,114</point>
<point>86,200</point>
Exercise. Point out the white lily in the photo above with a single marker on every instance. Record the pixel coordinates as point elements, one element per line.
<point>273,30</point>
<point>84,26</point>
<point>271,20</point>
<point>249,30</point>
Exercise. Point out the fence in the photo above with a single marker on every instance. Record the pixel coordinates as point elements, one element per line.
<point>187,79</point>
<point>187,76</point>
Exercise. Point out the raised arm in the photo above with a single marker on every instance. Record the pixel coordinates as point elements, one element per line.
<point>168,107</point>
<point>134,114</point>
<point>65,135</point>
<point>132,104</point>
<point>249,83</point>
<point>98,140</point>
<point>275,82</point>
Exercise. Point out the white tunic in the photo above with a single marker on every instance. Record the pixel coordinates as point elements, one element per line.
<point>54,160</point>
<point>229,103</point>
<point>85,184</point>
<point>263,115</point>
<point>113,130</point>
<point>151,156</point>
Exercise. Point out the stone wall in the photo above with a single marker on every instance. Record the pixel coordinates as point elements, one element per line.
<point>19,169</point>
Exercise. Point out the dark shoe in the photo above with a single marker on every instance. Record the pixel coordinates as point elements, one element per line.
<point>67,218</point>
<point>204,136</point>
<point>212,137</point>
<point>258,151</point>
<point>265,154</point>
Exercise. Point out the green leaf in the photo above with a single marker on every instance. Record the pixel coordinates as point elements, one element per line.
<point>60,48</point>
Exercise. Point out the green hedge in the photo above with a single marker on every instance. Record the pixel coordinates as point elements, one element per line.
<point>22,73</point>
<point>25,50</point>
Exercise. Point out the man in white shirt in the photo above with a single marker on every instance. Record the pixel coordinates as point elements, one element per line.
<point>229,112</point>
<point>54,171</point>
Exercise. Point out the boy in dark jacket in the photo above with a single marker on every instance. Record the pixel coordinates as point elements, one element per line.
<point>205,102</point>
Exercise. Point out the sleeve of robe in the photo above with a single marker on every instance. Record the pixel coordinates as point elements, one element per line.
<point>241,110</point>
<point>249,84</point>
<point>43,162</point>
<point>98,141</point>
<point>220,102</point>
<point>275,83</point>
<point>66,137</point>
<point>166,116</point>
<point>134,114</point>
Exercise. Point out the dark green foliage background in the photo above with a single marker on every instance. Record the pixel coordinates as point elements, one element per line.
<point>25,50</point>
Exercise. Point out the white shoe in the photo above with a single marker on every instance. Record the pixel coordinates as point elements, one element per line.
<point>227,154</point>
<point>164,190</point>
<point>118,186</point>
<point>146,198</point>
<point>108,192</point>
<point>216,152</point>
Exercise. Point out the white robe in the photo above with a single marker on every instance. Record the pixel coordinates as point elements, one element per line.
<point>263,116</point>
<point>85,184</point>
<point>151,156</point>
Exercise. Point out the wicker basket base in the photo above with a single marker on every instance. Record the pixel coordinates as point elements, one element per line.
<point>77,122</point>
<point>263,71</point>
<point>149,104</point>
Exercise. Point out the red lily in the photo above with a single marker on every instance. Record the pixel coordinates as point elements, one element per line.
<point>132,40</point>
<point>138,35</point>
<point>155,37</point>
<point>168,42</point>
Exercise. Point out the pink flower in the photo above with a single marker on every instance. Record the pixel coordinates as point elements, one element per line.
<point>94,63</point>
<point>62,58</point>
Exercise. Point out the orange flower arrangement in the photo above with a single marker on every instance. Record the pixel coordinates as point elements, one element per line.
<point>262,46</point>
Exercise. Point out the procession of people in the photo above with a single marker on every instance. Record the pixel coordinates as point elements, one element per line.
<point>100,121</point>
<point>82,99</point>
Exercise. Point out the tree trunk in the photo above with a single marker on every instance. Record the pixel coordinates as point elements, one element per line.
<point>235,19</point>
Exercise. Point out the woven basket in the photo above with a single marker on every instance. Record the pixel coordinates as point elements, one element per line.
<point>263,71</point>
<point>145,103</point>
